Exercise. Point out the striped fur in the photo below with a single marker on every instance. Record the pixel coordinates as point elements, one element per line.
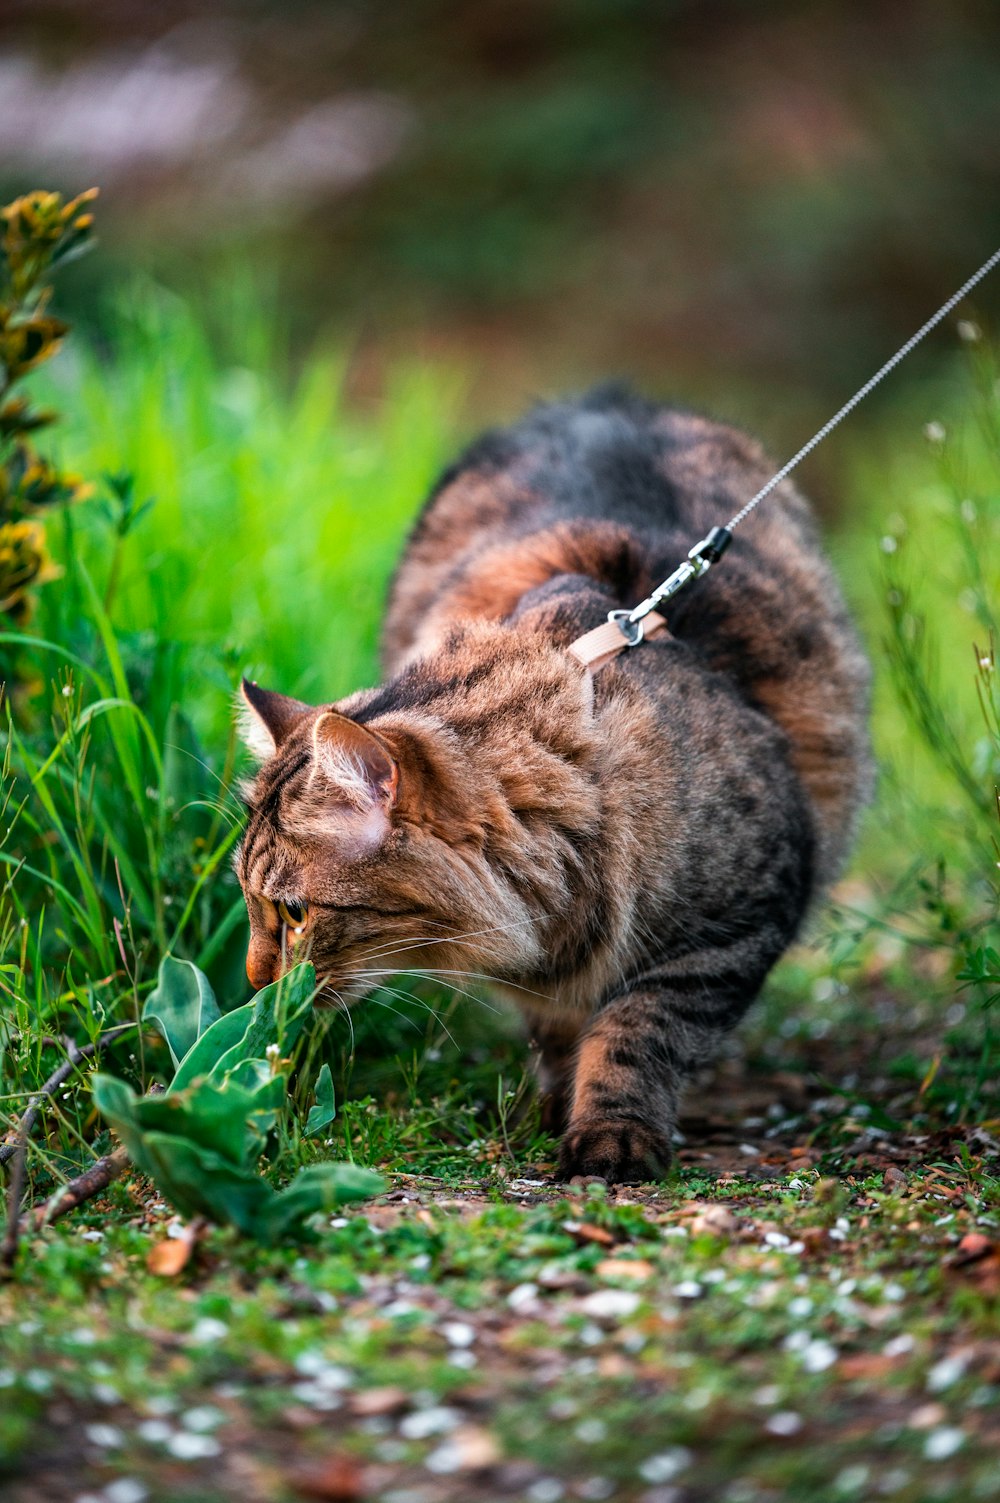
<point>625,855</point>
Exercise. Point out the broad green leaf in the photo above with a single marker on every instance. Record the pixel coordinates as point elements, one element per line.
<point>321,1187</point>
<point>182,1007</point>
<point>200,1181</point>
<point>276,1015</point>
<point>224,1116</point>
<point>323,1113</point>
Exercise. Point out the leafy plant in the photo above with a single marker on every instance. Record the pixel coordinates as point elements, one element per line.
<point>39,233</point>
<point>201,1139</point>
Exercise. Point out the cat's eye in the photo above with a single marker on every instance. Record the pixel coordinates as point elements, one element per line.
<point>294,915</point>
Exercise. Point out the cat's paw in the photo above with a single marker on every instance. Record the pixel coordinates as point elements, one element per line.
<point>623,1152</point>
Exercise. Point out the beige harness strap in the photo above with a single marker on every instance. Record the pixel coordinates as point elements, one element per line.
<point>597,647</point>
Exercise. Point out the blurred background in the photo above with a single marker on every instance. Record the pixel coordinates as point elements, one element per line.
<point>744,205</point>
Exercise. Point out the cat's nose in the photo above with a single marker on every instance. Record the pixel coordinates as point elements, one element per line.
<point>260,967</point>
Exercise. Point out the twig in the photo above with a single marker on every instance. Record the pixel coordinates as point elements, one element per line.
<point>12,1231</point>
<point>93,1180</point>
<point>75,1054</point>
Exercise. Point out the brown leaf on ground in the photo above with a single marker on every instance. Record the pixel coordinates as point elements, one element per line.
<point>584,1231</point>
<point>624,1268</point>
<point>866,1365</point>
<point>475,1448</point>
<point>376,1401</point>
<point>171,1256</point>
<point>714,1221</point>
<point>973,1247</point>
<point>337,1479</point>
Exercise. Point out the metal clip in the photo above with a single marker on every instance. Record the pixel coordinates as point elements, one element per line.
<point>630,630</point>
<point>698,562</point>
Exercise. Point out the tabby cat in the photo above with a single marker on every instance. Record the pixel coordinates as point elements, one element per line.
<point>624,852</point>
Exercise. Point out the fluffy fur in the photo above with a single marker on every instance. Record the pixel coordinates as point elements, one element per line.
<point>626,854</point>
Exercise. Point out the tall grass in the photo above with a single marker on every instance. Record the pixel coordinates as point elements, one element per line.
<point>249,524</point>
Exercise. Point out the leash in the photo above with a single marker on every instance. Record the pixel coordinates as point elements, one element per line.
<point>628,628</point>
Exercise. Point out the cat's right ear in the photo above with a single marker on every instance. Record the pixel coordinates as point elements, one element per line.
<point>267,718</point>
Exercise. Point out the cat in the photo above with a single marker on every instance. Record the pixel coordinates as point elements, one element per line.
<point>625,852</point>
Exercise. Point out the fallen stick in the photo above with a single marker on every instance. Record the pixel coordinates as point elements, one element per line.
<point>86,1185</point>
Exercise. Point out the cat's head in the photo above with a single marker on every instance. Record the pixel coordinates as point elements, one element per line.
<point>388,842</point>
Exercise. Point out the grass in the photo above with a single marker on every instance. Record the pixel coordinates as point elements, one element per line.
<point>477,1333</point>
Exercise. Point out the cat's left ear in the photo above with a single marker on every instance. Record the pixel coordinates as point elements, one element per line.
<point>268,718</point>
<point>355,761</point>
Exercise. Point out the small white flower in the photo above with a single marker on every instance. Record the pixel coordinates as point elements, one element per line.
<point>767,1396</point>
<point>188,1447</point>
<point>545,1490</point>
<point>944,1373</point>
<point>666,1465</point>
<point>426,1422</point>
<point>818,1356</point>
<point>126,1490</point>
<point>445,1460</point>
<point>108,1437</point>
<point>944,1442</point>
<point>202,1417</point>
<point>785,1422</point>
<point>969,332</point>
<point>458,1333</point>
<point>209,1329</point>
<point>316,1397</point>
<point>851,1479</point>
<point>156,1431</point>
<point>935,432</point>
<point>611,1304</point>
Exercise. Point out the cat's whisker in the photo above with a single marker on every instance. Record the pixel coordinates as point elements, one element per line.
<point>226,787</point>
<point>484,976</point>
<point>408,997</point>
<point>215,807</point>
<point>342,1003</point>
<point>387,950</point>
<point>428,976</point>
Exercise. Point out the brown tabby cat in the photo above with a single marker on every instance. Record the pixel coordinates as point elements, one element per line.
<point>627,852</point>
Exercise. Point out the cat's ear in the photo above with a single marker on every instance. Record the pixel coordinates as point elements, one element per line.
<point>267,718</point>
<point>355,761</point>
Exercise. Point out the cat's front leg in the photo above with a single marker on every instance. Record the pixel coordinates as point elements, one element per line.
<point>630,1067</point>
